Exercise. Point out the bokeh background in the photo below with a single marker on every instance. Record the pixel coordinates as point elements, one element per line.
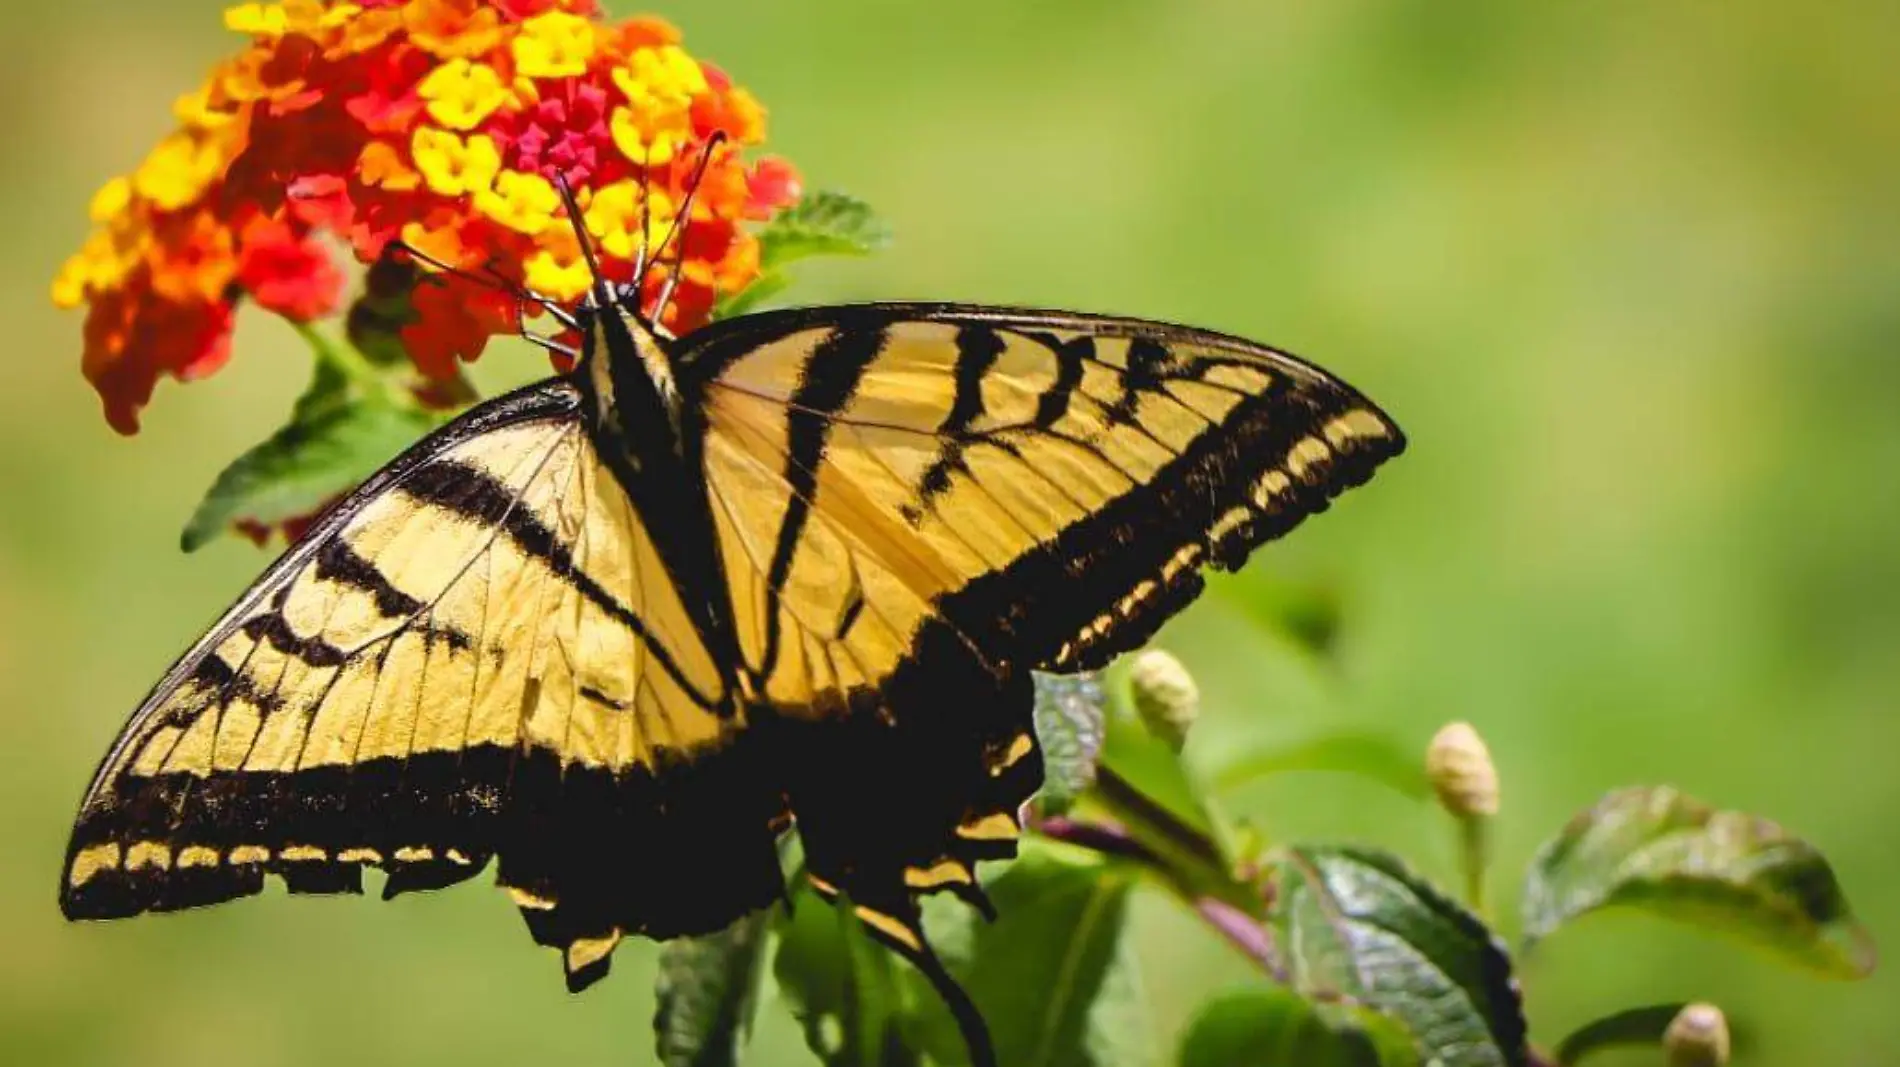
<point>1629,274</point>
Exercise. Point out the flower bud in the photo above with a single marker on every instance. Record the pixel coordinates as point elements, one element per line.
<point>1165,696</point>
<point>1697,1037</point>
<point>1461,772</point>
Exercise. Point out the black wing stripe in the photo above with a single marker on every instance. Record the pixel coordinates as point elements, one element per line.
<point>1054,402</point>
<point>977,349</point>
<point>338,562</point>
<point>474,493</point>
<point>831,376</point>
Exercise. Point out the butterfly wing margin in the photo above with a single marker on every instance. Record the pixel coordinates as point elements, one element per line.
<point>476,653</point>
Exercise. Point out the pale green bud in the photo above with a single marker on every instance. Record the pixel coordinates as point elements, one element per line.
<point>1165,695</point>
<point>1697,1037</point>
<point>1461,772</point>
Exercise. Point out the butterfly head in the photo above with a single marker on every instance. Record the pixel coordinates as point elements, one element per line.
<point>619,336</point>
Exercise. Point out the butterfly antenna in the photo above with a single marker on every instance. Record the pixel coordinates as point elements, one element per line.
<point>491,278</point>
<point>679,223</point>
<point>640,261</point>
<point>602,293</point>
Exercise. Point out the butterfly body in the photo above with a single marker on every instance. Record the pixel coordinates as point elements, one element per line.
<point>617,631</point>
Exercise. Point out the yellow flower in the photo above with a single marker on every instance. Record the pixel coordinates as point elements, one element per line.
<point>648,139</point>
<point>554,45</point>
<point>461,94</point>
<point>614,218</point>
<point>112,198</point>
<point>179,171</point>
<point>258,20</point>
<point>452,166</point>
<point>660,79</point>
<point>556,277</point>
<point>524,203</point>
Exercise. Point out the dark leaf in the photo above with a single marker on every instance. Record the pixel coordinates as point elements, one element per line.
<point>1635,1026</point>
<point>1356,924</point>
<point>1656,850</point>
<point>1069,724</point>
<point>1053,976</point>
<point>707,992</point>
<point>1275,1028</point>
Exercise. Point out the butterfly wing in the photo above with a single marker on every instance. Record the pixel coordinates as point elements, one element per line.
<point>477,654</point>
<point>926,501</point>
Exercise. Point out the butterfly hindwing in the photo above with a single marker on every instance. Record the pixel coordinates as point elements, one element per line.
<point>479,653</point>
<point>925,502</point>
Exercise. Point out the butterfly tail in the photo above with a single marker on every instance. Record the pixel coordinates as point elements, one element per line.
<point>902,931</point>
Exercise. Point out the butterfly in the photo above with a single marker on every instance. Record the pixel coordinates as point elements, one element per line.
<point>616,632</point>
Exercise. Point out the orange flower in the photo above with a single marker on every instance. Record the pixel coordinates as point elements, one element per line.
<point>444,122</point>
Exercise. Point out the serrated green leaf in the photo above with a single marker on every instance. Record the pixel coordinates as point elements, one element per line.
<point>1069,716</point>
<point>1275,1028</point>
<point>1355,923</point>
<point>706,993</point>
<point>1373,757</point>
<point>304,464</point>
<point>1634,1026</point>
<point>1053,976</point>
<point>845,989</point>
<point>1654,849</point>
<point>342,428</point>
<point>823,223</point>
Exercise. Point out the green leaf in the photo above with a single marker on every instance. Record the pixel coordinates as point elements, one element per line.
<point>1275,1028</point>
<point>1634,1026</point>
<point>844,988</point>
<point>1370,756</point>
<point>1054,976</point>
<point>1070,712</point>
<point>1144,763</point>
<point>340,431</point>
<point>1654,849</point>
<point>1355,923</point>
<point>707,992</point>
<point>823,223</point>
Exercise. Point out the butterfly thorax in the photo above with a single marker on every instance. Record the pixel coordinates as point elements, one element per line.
<point>631,375</point>
<point>651,440</point>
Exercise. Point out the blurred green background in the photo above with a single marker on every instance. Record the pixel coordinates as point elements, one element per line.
<point>1629,275</point>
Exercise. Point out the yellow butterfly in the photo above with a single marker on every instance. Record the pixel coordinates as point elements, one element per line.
<point>617,631</point>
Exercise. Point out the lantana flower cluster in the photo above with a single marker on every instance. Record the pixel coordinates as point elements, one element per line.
<point>440,123</point>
